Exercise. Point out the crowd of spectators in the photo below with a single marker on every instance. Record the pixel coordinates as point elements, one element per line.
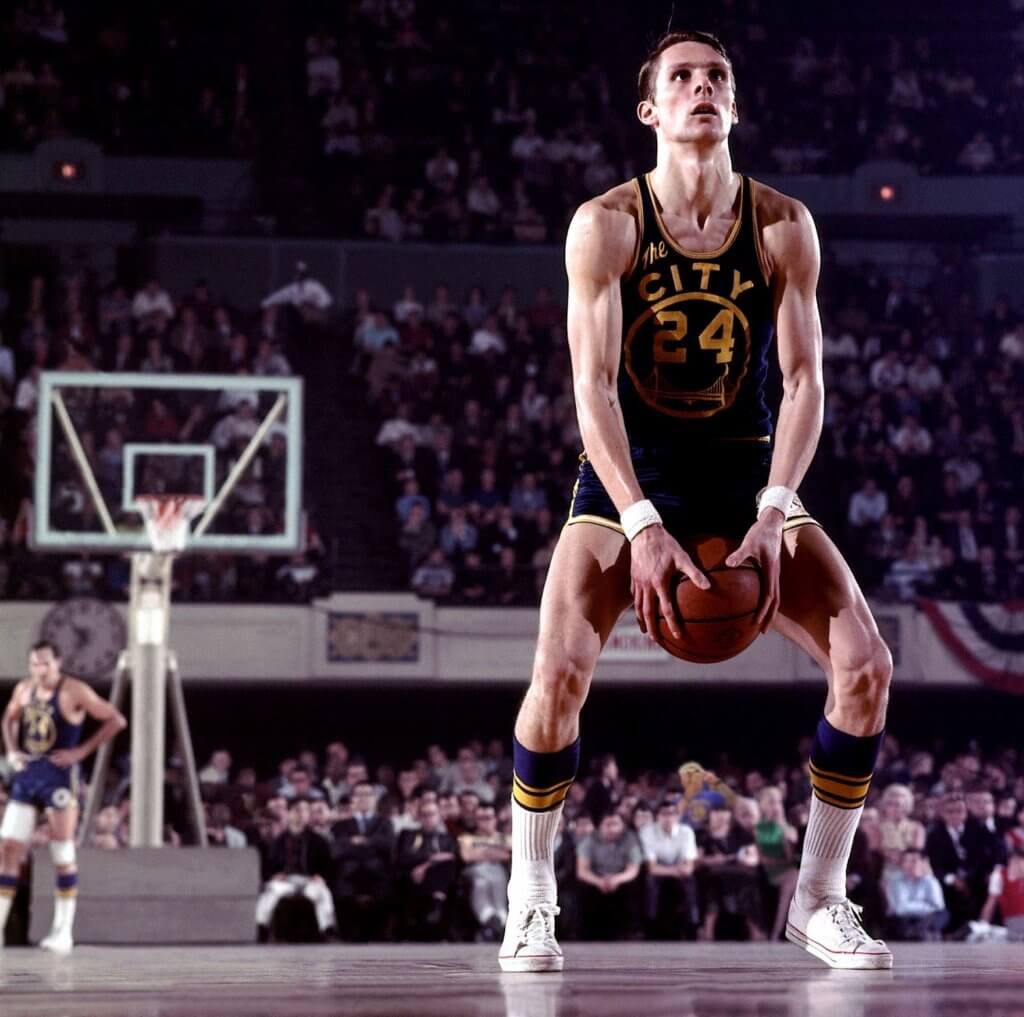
<point>421,850</point>
<point>919,474</point>
<point>61,322</point>
<point>133,80</point>
<point>492,121</point>
<point>507,116</point>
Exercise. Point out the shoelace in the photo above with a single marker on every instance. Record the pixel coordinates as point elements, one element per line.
<point>537,923</point>
<point>846,916</point>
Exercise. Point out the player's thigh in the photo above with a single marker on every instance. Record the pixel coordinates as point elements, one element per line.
<point>822,608</point>
<point>586,590</point>
<point>63,822</point>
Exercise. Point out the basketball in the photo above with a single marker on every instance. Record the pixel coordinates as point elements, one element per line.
<point>718,623</point>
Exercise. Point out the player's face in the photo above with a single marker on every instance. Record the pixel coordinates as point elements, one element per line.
<point>694,97</point>
<point>44,667</point>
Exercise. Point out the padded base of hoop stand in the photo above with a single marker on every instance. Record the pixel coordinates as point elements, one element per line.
<point>154,895</point>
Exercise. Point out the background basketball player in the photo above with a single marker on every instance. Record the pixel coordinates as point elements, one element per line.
<point>677,281</point>
<point>42,728</point>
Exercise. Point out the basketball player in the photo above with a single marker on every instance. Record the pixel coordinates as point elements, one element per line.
<point>677,281</point>
<point>42,728</point>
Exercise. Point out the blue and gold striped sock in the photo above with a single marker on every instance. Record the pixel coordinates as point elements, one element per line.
<point>841,767</point>
<point>540,782</point>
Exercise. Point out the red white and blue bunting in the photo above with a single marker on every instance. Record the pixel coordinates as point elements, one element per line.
<point>987,639</point>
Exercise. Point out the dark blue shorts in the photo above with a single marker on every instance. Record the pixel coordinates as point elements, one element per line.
<point>705,490</point>
<point>45,786</point>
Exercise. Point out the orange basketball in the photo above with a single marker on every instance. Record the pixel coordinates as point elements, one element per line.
<point>718,623</point>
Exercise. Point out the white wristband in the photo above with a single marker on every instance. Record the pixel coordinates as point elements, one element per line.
<point>637,517</point>
<point>780,498</point>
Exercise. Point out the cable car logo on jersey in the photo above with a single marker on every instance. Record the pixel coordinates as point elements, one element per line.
<point>688,352</point>
<point>39,729</point>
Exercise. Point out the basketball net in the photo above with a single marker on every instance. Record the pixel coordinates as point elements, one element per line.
<point>167,518</point>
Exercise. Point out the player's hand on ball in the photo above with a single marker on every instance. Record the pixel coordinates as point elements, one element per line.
<point>763,544</point>
<point>655,559</point>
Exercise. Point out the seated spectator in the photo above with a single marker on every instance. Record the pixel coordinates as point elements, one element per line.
<point>867,504</point>
<point>608,869</point>
<point>435,577</point>
<point>468,775</point>
<point>300,861</point>
<point>776,844</point>
<point>887,372</point>
<point>426,858</point>
<point>911,440</point>
<point>418,535</point>
<point>363,880</point>
<point>218,769</point>
<point>219,831</point>
<point>917,908</point>
<point>670,850</point>
<point>458,535</point>
<point>307,295</point>
<point>898,832</point>
<point>487,338</point>
<point>729,875</point>
<point>486,854</point>
<point>983,839</point>
<point>909,572</point>
<point>953,864</point>
<point>1006,896</point>
<point>300,785</point>
<point>152,306</point>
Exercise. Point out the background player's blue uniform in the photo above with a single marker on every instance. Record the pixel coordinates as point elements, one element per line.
<point>44,729</point>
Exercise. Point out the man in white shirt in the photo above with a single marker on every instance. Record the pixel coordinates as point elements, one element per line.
<point>306,294</point>
<point>887,373</point>
<point>867,504</point>
<point>911,439</point>
<point>152,305</point>
<point>487,337</point>
<point>670,850</point>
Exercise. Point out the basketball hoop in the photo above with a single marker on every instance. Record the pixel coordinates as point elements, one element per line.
<point>167,518</point>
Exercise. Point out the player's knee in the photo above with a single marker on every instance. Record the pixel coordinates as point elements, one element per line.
<point>864,670</point>
<point>561,679</point>
<point>63,854</point>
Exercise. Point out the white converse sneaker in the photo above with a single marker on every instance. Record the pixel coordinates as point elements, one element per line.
<point>530,943</point>
<point>58,942</point>
<point>833,933</point>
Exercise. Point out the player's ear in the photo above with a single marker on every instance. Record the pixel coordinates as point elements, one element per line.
<point>735,113</point>
<point>647,113</point>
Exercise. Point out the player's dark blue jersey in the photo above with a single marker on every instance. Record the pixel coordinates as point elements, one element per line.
<point>696,333</point>
<point>43,728</point>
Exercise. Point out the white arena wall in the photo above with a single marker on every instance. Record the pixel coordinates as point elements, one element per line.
<point>398,637</point>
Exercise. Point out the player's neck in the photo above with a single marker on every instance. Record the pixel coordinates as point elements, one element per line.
<point>694,183</point>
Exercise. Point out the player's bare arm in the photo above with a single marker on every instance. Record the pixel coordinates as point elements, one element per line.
<point>793,257</point>
<point>83,700</point>
<point>10,722</point>
<point>598,252</point>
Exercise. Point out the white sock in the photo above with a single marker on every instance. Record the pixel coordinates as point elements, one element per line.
<point>6,900</point>
<point>64,913</point>
<point>826,853</point>
<point>533,855</point>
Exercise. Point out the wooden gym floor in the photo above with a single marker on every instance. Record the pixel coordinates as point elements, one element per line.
<point>600,980</point>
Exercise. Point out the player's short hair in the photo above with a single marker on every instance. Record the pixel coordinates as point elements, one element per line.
<point>45,644</point>
<point>649,69</point>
